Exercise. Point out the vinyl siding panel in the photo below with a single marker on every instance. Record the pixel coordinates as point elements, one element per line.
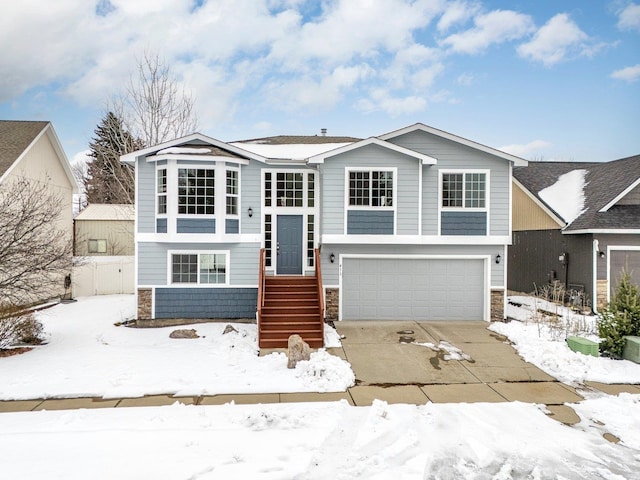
<point>250,195</point>
<point>117,233</point>
<point>205,302</point>
<point>330,271</point>
<point>452,155</point>
<point>464,223</point>
<point>333,187</point>
<point>145,210</point>
<point>152,261</point>
<point>527,215</point>
<point>369,222</point>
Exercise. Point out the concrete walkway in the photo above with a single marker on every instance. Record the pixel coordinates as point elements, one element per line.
<point>400,362</point>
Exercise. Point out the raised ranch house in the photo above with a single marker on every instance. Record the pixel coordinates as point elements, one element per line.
<point>410,225</point>
<point>577,224</point>
<point>31,150</point>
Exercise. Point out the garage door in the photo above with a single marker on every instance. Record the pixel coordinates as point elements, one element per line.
<point>413,289</point>
<point>620,260</point>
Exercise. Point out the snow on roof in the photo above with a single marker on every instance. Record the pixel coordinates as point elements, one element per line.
<point>566,196</point>
<point>178,150</point>
<point>288,151</point>
<point>105,211</point>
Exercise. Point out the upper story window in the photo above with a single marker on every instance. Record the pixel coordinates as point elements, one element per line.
<point>232,192</point>
<point>371,188</point>
<point>161,190</point>
<point>464,190</point>
<point>196,191</point>
<point>289,189</point>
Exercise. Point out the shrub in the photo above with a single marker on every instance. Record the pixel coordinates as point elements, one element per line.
<point>19,326</point>
<point>621,318</point>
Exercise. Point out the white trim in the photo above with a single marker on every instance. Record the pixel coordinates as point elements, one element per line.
<point>393,208</point>
<point>320,158</point>
<point>561,223</point>
<point>196,285</point>
<point>227,272</point>
<point>487,272</point>
<point>487,193</point>
<point>631,231</point>
<point>510,202</point>
<point>616,248</point>
<point>620,196</point>
<point>210,238</point>
<point>517,161</point>
<point>197,158</point>
<point>417,239</point>
<point>420,197</point>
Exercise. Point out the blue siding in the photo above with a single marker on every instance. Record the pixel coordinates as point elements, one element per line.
<point>232,225</point>
<point>370,222</point>
<point>196,225</point>
<point>463,223</point>
<point>206,302</point>
<point>161,225</point>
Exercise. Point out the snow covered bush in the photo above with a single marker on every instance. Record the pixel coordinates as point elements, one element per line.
<point>17,326</point>
<point>620,318</point>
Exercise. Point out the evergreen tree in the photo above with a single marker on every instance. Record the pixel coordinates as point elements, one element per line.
<point>107,180</point>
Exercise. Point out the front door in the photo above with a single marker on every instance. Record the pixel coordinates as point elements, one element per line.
<point>289,245</point>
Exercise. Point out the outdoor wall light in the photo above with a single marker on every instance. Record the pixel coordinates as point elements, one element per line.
<point>332,258</point>
<point>250,212</point>
<point>601,254</point>
<point>498,258</point>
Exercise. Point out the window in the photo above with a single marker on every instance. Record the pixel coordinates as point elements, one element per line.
<point>311,255</point>
<point>232,192</point>
<point>267,240</point>
<point>199,268</point>
<point>371,188</point>
<point>464,190</point>
<point>97,246</point>
<point>161,191</point>
<point>196,191</point>
<point>289,190</point>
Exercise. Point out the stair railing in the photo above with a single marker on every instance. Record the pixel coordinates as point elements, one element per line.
<point>319,284</point>
<point>261,283</point>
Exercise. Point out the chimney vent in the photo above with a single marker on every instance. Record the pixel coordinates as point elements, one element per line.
<point>323,132</point>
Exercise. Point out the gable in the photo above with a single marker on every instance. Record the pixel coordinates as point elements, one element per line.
<point>631,198</point>
<point>15,138</point>
<point>531,214</point>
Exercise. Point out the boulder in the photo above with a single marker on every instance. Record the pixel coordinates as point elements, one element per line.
<point>184,333</point>
<point>298,350</point>
<point>229,329</point>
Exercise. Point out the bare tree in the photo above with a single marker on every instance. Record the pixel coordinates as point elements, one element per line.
<point>155,109</point>
<point>34,252</point>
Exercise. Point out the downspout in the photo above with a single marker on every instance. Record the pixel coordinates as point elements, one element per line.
<point>594,263</point>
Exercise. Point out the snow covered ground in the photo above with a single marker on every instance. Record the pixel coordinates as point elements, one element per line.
<point>286,441</point>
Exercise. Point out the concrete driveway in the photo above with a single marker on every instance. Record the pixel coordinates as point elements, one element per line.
<point>391,362</point>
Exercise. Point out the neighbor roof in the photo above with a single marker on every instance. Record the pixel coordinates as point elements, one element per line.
<point>299,140</point>
<point>15,137</point>
<point>605,184</point>
<point>106,211</point>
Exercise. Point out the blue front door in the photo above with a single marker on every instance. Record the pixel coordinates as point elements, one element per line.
<point>289,245</point>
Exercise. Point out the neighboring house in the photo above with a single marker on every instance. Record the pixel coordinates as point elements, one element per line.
<point>31,149</point>
<point>577,223</point>
<point>104,245</point>
<point>104,229</point>
<point>410,225</point>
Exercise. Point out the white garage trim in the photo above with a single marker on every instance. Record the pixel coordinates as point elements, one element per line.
<point>486,264</point>
<point>611,248</point>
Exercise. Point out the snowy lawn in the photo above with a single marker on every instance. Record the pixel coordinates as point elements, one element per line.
<point>540,339</point>
<point>324,441</point>
<point>87,355</point>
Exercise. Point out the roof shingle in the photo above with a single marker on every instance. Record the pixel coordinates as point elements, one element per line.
<point>15,137</point>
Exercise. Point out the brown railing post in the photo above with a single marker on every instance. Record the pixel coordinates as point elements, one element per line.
<point>320,292</point>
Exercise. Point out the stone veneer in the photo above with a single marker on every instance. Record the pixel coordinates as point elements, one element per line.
<point>332,303</point>
<point>497,305</point>
<point>144,303</point>
<point>601,293</point>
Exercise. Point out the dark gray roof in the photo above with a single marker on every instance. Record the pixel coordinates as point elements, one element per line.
<point>299,139</point>
<point>604,182</point>
<point>15,137</point>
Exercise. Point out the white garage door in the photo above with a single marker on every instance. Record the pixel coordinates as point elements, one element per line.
<point>413,289</point>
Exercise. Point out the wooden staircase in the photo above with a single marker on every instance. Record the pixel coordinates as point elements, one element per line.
<point>288,305</point>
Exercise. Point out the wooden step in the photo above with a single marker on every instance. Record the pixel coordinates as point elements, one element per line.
<point>292,302</point>
<point>288,325</point>
<point>286,309</point>
<point>284,342</point>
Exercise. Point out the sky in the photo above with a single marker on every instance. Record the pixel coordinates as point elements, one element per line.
<point>544,80</point>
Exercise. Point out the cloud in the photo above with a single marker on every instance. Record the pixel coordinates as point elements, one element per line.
<point>457,13</point>
<point>629,74</point>
<point>526,149</point>
<point>629,17</point>
<point>465,79</point>
<point>381,100</point>
<point>491,28</point>
<point>554,41</point>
